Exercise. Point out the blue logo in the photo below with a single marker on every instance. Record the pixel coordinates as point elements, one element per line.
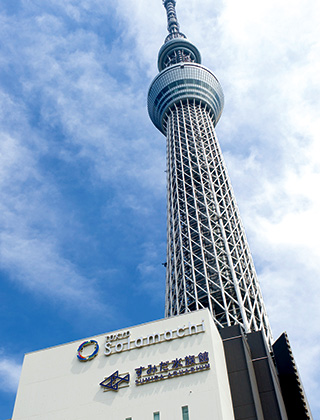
<point>113,381</point>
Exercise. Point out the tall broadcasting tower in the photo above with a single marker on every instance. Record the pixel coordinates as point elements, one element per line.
<point>209,264</point>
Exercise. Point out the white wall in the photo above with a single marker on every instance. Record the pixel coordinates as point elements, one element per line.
<point>55,385</point>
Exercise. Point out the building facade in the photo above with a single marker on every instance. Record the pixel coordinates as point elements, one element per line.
<point>174,368</point>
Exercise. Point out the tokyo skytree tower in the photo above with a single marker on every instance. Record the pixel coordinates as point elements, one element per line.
<point>209,264</point>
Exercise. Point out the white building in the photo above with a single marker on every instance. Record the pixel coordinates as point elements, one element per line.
<point>173,368</point>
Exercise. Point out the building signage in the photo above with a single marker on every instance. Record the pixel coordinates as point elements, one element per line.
<point>118,336</point>
<point>117,343</point>
<point>175,368</point>
<point>91,356</point>
<point>115,381</point>
<point>155,373</point>
<point>122,341</point>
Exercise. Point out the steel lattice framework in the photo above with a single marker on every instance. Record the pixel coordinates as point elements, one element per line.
<point>209,264</point>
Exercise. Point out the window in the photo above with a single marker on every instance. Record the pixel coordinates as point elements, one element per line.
<point>185,413</point>
<point>156,416</point>
<point>129,418</point>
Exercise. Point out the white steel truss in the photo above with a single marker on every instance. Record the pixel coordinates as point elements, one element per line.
<point>209,264</point>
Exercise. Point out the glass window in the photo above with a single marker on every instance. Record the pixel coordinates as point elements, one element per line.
<point>156,416</point>
<point>129,418</point>
<point>185,413</point>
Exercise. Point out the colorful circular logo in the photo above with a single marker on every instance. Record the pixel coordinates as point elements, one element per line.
<point>90,356</point>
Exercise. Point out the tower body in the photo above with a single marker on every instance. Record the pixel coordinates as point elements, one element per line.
<point>209,264</point>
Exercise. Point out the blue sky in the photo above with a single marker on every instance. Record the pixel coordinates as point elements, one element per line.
<point>83,211</point>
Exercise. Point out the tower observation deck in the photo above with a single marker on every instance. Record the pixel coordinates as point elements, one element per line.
<point>209,264</point>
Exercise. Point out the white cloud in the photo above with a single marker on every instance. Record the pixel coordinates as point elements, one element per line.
<point>85,114</point>
<point>31,219</point>
<point>9,374</point>
<point>36,263</point>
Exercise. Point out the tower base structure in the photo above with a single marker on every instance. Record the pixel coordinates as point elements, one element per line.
<point>264,385</point>
<point>181,367</point>
<point>290,382</point>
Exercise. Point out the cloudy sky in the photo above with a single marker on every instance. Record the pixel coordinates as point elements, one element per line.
<point>82,182</point>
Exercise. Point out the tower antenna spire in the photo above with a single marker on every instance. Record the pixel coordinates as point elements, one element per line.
<point>173,24</point>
